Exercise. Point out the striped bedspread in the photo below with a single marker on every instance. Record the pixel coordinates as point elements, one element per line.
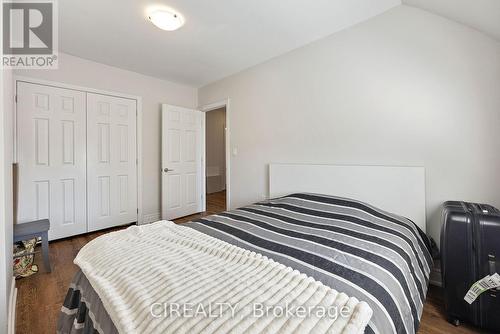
<point>375,256</point>
<point>223,286</point>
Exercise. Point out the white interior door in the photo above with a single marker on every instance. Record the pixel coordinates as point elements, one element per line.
<point>181,162</point>
<point>111,161</point>
<point>51,156</point>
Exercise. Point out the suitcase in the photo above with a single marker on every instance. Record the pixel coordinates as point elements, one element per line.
<point>470,250</point>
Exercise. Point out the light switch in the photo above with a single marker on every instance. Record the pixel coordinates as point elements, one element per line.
<point>235,151</point>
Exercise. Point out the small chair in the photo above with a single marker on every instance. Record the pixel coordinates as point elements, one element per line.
<point>35,229</point>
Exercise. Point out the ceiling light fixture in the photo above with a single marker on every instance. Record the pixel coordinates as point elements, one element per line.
<point>166,19</point>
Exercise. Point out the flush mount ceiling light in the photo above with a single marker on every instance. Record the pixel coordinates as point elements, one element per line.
<point>166,19</point>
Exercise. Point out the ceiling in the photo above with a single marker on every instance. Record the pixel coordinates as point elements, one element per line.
<point>483,15</point>
<point>219,38</point>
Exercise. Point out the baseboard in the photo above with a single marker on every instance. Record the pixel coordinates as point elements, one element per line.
<point>151,218</point>
<point>435,275</point>
<point>11,326</point>
<point>436,281</point>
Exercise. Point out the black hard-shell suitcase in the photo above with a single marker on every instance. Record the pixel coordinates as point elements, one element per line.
<point>470,250</point>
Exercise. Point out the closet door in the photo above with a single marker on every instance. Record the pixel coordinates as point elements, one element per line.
<point>111,161</point>
<point>52,157</point>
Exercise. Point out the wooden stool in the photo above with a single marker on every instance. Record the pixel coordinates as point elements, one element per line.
<point>35,229</point>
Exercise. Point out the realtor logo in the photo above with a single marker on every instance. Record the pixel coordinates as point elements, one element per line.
<point>29,34</point>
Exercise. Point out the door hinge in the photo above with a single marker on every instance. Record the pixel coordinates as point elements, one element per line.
<point>137,210</point>
<point>15,98</point>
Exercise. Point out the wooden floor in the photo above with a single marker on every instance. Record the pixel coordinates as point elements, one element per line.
<point>41,295</point>
<point>434,319</point>
<point>216,203</point>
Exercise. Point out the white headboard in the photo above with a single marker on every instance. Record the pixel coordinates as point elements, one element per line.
<point>400,190</point>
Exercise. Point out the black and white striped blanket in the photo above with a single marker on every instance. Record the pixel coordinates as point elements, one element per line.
<point>370,254</point>
<point>375,256</point>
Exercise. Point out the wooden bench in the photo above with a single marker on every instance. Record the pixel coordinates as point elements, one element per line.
<point>35,229</point>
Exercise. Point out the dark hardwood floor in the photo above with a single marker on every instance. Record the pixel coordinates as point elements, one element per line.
<point>41,295</point>
<point>216,203</point>
<point>434,320</point>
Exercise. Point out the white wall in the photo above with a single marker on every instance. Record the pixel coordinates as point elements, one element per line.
<point>6,223</point>
<point>404,88</point>
<point>81,72</point>
<point>482,15</point>
<point>215,150</point>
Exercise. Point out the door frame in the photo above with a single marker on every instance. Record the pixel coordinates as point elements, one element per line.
<point>207,108</point>
<point>138,99</point>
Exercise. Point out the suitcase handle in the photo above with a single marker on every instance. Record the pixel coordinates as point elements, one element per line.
<point>493,267</point>
<point>493,264</point>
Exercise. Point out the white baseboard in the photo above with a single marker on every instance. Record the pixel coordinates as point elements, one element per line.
<point>11,326</point>
<point>151,218</point>
<point>435,276</point>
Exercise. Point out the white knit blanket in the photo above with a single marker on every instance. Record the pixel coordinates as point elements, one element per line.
<point>166,278</point>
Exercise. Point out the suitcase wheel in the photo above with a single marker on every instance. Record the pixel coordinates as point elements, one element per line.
<point>455,322</point>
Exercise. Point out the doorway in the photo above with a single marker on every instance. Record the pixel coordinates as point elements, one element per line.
<point>215,160</point>
<point>184,161</point>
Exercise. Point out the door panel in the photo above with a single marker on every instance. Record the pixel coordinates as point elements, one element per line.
<point>51,154</point>
<point>181,161</point>
<point>112,161</point>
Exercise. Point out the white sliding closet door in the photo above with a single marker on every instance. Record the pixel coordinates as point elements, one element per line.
<point>111,161</point>
<point>51,156</point>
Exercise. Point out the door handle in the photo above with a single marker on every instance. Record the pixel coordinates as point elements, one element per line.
<point>166,170</point>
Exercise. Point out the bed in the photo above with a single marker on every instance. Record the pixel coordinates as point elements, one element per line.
<point>378,257</point>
